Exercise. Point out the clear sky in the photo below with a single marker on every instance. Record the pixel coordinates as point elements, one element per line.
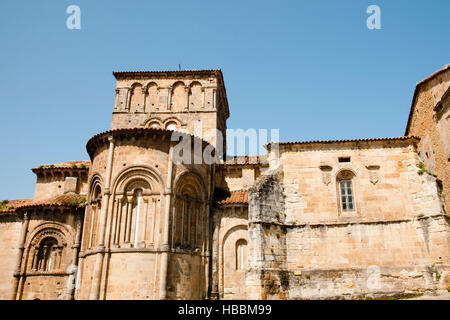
<point>309,68</point>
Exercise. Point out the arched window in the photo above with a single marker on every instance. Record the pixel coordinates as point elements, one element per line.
<point>241,254</point>
<point>346,194</point>
<point>171,125</point>
<point>137,98</point>
<point>151,99</point>
<point>154,124</point>
<point>93,215</point>
<point>195,95</point>
<point>135,215</point>
<point>188,217</point>
<point>179,97</point>
<point>47,255</point>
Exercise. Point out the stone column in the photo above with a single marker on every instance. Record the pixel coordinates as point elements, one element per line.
<point>116,100</point>
<point>174,222</point>
<point>203,97</point>
<point>215,259</point>
<point>153,225</point>
<point>187,89</point>
<point>169,98</point>
<point>183,213</point>
<point>118,221</point>
<point>189,219</point>
<point>165,242</point>
<point>144,94</point>
<point>21,246</point>
<point>129,93</point>
<point>101,240</point>
<point>214,102</point>
<point>76,252</point>
<point>129,219</point>
<point>145,220</point>
<point>206,249</point>
<point>35,259</point>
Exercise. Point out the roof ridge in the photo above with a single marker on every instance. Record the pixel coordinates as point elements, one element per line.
<point>345,140</point>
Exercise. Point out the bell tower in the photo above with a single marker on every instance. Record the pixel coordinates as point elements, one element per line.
<point>183,100</point>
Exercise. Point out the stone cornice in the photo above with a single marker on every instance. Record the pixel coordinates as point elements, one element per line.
<point>101,139</point>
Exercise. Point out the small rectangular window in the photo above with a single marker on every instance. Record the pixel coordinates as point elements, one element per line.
<point>346,195</point>
<point>344,159</point>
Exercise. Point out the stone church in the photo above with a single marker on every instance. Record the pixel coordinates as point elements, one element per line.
<point>334,219</point>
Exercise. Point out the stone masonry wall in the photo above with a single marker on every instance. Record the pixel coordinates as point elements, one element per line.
<point>434,128</point>
<point>303,246</point>
<point>10,226</point>
<point>266,276</point>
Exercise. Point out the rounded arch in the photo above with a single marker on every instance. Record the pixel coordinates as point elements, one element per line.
<point>138,173</point>
<point>230,276</point>
<point>135,84</point>
<point>136,200</point>
<point>190,181</point>
<point>178,83</point>
<point>195,83</point>
<point>96,177</point>
<point>150,84</point>
<point>95,188</point>
<point>345,173</point>
<point>49,229</point>
<point>346,186</point>
<point>47,248</point>
<point>154,123</point>
<point>174,121</point>
<point>232,230</point>
<point>188,218</point>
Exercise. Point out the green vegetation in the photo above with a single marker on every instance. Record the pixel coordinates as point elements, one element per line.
<point>4,205</point>
<point>79,202</point>
<point>445,212</point>
<point>74,166</point>
<point>423,170</point>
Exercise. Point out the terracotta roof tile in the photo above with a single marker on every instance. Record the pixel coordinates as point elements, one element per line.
<point>10,205</point>
<point>236,197</point>
<point>65,200</point>
<point>342,141</point>
<point>79,164</point>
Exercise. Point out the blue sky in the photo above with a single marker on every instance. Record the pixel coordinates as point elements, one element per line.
<point>310,68</point>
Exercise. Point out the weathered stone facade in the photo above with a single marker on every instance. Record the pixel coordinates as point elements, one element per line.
<point>311,220</point>
<point>430,120</point>
<point>303,245</point>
